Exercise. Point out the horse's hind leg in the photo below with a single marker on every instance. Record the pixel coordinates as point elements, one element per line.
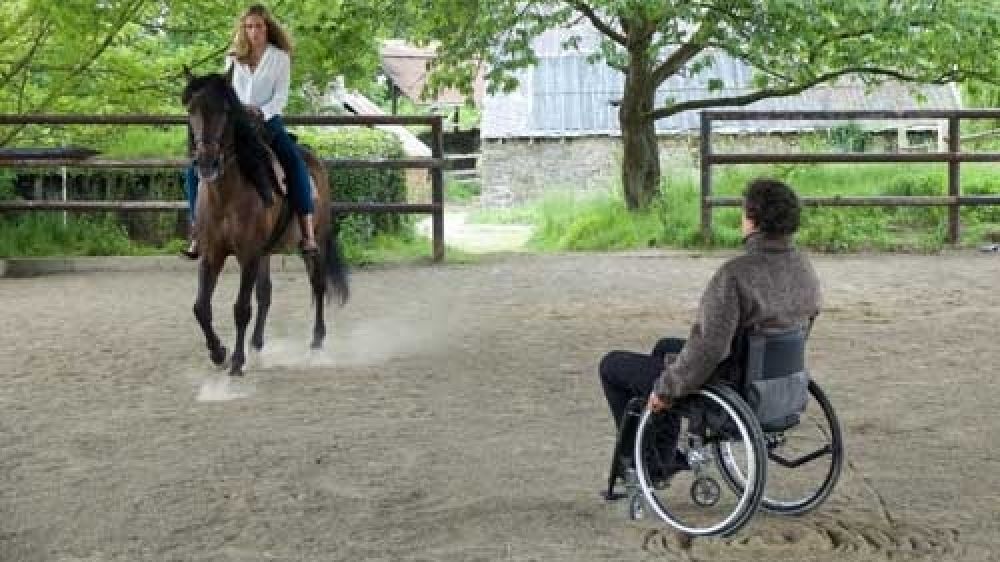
<point>241,314</point>
<point>208,276</point>
<point>263,290</point>
<point>317,279</point>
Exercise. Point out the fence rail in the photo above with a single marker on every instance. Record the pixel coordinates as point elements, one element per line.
<point>953,158</point>
<point>437,163</point>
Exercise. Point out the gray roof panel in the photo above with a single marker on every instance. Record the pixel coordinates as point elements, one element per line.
<point>567,96</point>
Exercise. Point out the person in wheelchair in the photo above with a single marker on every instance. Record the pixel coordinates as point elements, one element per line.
<point>772,285</point>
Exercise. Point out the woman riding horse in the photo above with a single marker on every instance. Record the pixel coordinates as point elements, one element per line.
<point>260,67</point>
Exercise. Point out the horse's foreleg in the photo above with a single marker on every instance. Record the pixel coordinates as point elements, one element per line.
<point>208,276</point>
<point>242,311</point>
<point>263,290</point>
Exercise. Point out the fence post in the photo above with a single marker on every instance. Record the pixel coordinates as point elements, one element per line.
<point>954,178</point>
<point>706,178</point>
<point>437,188</point>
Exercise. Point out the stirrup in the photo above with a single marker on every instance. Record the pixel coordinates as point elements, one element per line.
<point>308,252</point>
<point>189,253</point>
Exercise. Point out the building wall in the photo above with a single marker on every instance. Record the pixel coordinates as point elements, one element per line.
<point>515,171</point>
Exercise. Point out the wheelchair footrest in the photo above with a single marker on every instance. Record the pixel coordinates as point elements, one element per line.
<point>612,496</point>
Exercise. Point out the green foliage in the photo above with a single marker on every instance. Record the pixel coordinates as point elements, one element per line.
<point>848,138</point>
<point>595,224</point>
<point>390,248</point>
<point>370,185</point>
<point>602,223</point>
<point>510,215</point>
<point>790,45</point>
<point>468,114</point>
<point>460,191</point>
<point>7,192</point>
<point>126,56</point>
<point>45,234</point>
<point>143,142</point>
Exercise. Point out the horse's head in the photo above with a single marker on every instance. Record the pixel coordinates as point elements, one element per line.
<point>213,109</point>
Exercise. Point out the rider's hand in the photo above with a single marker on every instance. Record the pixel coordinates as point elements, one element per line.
<point>657,403</point>
<point>254,110</point>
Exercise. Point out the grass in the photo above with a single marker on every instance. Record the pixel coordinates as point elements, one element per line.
<point>45,234</point>
<point>601,222</point>
<point>460,191</point>
<point>397,248</point>
<point>512,215</point>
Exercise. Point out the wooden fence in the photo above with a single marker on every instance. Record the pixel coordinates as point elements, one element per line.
<point>436,164</point>
<point>953,157</point>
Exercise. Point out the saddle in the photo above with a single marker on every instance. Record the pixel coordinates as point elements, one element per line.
<point>281,178</point>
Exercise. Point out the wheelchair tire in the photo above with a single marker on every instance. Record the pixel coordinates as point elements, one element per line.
<point>815,497</point>
<point>747,431</point>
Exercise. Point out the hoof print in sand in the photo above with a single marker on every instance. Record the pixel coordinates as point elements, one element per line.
<point>895,542</point>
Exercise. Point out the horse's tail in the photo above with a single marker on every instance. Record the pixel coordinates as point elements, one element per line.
<point>336,268</point>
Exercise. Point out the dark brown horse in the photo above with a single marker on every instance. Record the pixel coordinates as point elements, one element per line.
<point>241,213</point>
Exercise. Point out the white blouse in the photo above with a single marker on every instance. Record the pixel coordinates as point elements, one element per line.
<point>266,86</point>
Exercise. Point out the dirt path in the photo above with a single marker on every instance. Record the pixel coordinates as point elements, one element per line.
<point>456,415</point>
<point>476,238</point>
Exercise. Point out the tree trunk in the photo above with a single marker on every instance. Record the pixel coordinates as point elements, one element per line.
<point>641,165</point>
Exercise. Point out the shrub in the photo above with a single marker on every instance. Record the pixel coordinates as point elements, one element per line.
<point>363,184</point>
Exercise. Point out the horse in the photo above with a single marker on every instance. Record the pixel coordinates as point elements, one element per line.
<point>242,212</point>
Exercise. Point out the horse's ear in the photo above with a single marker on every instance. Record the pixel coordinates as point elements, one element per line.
<point>229,74</point>
<point>187,73</point>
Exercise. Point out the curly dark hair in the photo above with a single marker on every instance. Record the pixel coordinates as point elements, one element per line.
<point>772,206</point>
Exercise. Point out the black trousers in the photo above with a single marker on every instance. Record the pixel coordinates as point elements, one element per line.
<point>626,375</point>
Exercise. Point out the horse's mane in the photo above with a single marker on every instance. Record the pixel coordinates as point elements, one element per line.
<point>211,94</point>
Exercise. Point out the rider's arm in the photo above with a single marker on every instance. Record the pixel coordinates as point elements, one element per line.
<point>282,77</point>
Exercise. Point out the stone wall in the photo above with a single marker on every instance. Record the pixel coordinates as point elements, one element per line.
<point>515,171</point>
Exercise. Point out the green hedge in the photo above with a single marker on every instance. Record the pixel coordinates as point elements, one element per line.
<point>362,185</point>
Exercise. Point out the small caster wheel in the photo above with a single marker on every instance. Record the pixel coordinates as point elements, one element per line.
<point>705,492</point>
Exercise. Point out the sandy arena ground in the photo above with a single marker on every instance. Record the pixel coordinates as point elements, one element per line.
<point>456,415</point>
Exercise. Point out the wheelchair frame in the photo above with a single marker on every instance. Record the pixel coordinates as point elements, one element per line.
<point>714,443</point>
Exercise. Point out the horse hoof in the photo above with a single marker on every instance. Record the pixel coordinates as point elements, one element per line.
<point>316,345</point>
<point>235,372</point>
<point>218,356</point>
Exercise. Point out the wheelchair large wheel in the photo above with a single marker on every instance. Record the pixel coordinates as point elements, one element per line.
<point>691,500</point>
<point>805,459</point>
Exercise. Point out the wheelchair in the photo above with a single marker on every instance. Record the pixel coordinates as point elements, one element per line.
<point>771,438</point>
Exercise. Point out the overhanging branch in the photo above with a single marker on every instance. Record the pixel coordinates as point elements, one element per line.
<point>684,53</point>
<point>600,24</point>
<point>765,93</point>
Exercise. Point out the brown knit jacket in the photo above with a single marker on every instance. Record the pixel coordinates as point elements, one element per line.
<point>773,285</point>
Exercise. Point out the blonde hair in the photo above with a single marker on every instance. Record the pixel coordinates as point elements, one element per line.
<point>276,35</point>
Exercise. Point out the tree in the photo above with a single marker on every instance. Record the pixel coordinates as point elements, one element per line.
<point>126,56</point>
<point>791,45</point>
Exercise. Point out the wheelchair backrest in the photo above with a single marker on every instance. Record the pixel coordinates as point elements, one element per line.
<point>775,380</point>
<point>773,353</point>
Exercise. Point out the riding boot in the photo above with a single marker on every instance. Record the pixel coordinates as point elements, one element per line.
<point>308,244</point>
<point>192,252</point>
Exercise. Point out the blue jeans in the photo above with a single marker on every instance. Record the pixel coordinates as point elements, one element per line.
<point>299,189</point>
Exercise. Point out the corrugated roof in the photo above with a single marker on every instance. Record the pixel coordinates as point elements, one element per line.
<point>408,68</point>
<point>564,95</point>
